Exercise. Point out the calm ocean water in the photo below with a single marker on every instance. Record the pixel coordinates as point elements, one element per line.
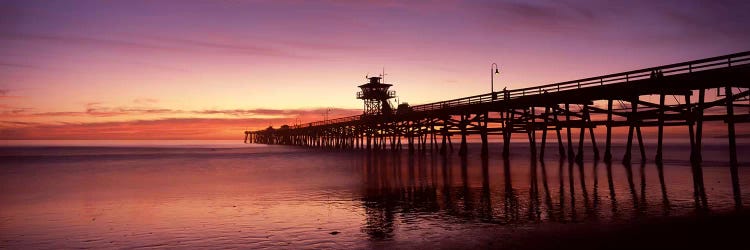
<point>224,194</point>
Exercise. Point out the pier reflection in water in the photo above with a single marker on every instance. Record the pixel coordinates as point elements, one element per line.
<point>400,189</point>
<point>285,197</point>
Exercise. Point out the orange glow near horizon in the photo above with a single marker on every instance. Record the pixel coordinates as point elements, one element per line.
<point>115,70</point>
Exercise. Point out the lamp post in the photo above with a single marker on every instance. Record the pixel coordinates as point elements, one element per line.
<point>325,115</point>
<point>494,72</point>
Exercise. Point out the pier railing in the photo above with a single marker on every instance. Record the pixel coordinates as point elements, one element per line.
<point>718,62</point>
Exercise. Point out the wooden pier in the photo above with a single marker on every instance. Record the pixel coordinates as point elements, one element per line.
<point>554,110</point>
<point>547,109</point>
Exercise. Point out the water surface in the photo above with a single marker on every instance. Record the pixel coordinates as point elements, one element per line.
<point>222,194</point>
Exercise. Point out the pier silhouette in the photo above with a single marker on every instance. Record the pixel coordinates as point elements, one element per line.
<point>551,110</point>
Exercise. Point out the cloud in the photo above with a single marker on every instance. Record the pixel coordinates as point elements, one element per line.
<point>11,111</point>
<point>18,123</point>
<point>281,112</point>
<point>161,123</point>
<point>145,101</point>
<point>80,40</point>
<point>169,128</point>
<point>243,48</point>
<point>17,65</point>
<point>172,128</point>
<point>162,44</point>
<point>660,22</point>
<point>555,16</point>
<point>5,93</point>
<point>96,109</point>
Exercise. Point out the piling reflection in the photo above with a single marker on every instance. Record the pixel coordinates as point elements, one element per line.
<point>510,204</point>
<point>642,202</point>
<point>547,196</point>
<point>571,187</point>
<point>485,203</point>
<point>410,189</point>
<point>631,185</point>
<point>663,186</point>
<point>699,190</point>
<point>595,174</point>
<point>611,185</point>
<point>534,208</point>
<point>379,199</point>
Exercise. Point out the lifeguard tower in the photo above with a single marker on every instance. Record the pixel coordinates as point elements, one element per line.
<point>375,94</point>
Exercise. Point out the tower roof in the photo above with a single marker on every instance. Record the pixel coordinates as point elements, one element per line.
<point>375,83</point>
<point>371,85</point>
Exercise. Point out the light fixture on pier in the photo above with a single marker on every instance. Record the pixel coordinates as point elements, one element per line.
<point>492,79</point>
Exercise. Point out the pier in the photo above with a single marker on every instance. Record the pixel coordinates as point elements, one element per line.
<point>555,110</point>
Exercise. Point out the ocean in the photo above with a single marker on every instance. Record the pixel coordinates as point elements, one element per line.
<point>225,194</point>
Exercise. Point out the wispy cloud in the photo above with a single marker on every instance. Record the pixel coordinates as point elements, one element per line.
<point>151,122</point>
<point>145,101</point>
<point>246,48</point>
<point>280,112</point>
<point>81,40</point>
<point>662,20</point>
<point>540,16</point>
<point>19,123</point>
<point>171,128</point>
<point>160,44</point>
<point>17,65</point>
<point>5,93</point>
<point>168,128</point>
<point>96,109</point>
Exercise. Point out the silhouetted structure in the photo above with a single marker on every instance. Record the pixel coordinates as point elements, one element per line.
<point>545,108</point>
<point>376,95</point>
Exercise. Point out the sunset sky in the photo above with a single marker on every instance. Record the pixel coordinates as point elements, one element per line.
<point>211,69</point>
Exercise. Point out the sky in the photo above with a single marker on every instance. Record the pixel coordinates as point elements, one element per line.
<point>212,69</point>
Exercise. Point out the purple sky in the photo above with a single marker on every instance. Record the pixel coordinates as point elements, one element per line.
<point>129,62</point>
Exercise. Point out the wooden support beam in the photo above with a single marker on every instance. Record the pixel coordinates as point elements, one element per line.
<point>398,143</point>
<point>591,131</point>
<point>560,147</point>
<point>631,121</point>
<point>463,148</point>
<point>698,187</point>
<point>433,139</point>
<point>579,156</point>
<point>544,133</point>
<point>483,133</point>
<point>690,121</point>
<point>508,133</point>
<point>733,164</point>
<point>571,155</point>
<point>696,155</point>
<point>660,132</point>
<point>450,143</point>
<point>532,132</point>
<point>410,138</point>
<point>640,143</point>
<point>443,146</point>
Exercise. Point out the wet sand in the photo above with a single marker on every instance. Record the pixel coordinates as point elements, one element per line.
<point>717,231</point>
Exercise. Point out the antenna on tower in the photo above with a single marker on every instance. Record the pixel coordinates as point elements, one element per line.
<point>382,76</point>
